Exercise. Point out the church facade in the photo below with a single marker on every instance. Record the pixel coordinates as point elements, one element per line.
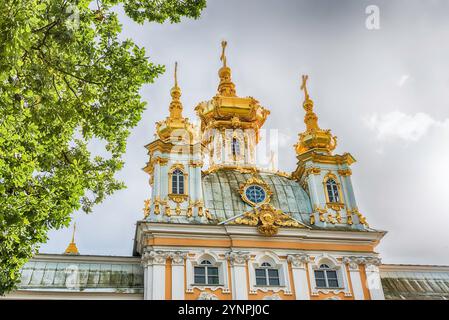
<point>218,226</point>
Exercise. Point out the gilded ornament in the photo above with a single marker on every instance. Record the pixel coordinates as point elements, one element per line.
<point>314,138</point>
<point>259,182</point>
<point>312,218</point>
<point>190,210</point>
<point>146,209</point>
<point>167,211</point>
<point>267,219</point>
<point>345,172</point>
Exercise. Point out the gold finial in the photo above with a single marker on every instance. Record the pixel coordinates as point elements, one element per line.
<point>176,74</point>
<point>310,119</point>
<point>168,128</point>
<point>226,86</point>
<point>175,105</point>
<point>305,77</point>
<point>71,248</point>
<point>313,137</point>
<point>223,49</point>
<point>73,232</point>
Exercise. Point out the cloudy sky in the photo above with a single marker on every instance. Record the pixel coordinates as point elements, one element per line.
<point>383,92</point>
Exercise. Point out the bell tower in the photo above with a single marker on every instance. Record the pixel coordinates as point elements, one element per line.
<point>230,124</point>
<point>326,176</point>
<point>175,167</point>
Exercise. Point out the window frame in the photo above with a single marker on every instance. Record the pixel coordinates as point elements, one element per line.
<point>326,270</point>
<point>206,265</point>
<point>335,262</point>
<point>185,182</point>
<point>336,205</point>
<point>333,193</point>
<point>266,267</point>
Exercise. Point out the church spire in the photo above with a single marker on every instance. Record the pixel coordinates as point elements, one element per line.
<point>175,124</point>
<point>310,118</point>
<point>71,248</point>
<point>226,86</point>
<point>314,137</point>
<point>175,92</point>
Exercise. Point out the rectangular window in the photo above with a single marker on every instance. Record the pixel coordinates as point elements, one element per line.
<point>174,184</point>
<point>332,279</point>
<point>212,275</point>
<point>273,277</point>
<point>261,278</point>
<point>200,275</point>
<point>320,279</point>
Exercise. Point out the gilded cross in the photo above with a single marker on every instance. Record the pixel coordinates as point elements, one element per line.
<point>304,85</point>
<point>223,56</point>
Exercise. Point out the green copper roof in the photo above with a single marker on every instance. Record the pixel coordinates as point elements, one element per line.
<point>222,197</point>
<point>415,284</point>
<point>60,273</point>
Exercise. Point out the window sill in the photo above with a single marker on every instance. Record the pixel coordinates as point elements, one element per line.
<point>268,286</point>
<point>207,285</point>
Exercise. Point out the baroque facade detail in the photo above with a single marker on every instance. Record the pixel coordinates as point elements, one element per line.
<point>232,230</point>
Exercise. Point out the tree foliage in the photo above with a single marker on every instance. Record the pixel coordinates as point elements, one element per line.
<point>66,79</point>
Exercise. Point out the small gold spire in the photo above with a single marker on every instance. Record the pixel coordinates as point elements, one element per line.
<point>313,137</point>
<point>226,86</point>
<point>223,55</point>
<point>176,74</point>
<point>71,248</point>
<point>175,104</point>
<point>174,126</point>
<point>310,119</point>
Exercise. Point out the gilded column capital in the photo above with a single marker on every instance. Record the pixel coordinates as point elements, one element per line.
<point>298,261</point>
<point>344,172</point>
<point>196,163</point>
<point>237,258</point>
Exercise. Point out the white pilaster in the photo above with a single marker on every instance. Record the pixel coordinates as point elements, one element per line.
<point>238,260</point>
<point>354,273</point>
<point>373,281</point>
<point>156,273</point>
<point>147,265</point>
<point>299,265</point>
<point>178,260</point>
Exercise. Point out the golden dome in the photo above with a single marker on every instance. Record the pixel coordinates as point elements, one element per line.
<point>226,109</point>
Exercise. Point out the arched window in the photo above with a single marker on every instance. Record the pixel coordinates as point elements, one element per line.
<point>266,275</point>
<point>206,273</point>
<point>235,147</point>
<point>326,277</point>
<point>332,191</point>
<point>177,182</point>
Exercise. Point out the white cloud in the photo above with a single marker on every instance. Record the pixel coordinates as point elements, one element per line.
<point>398,125</point>
<point>403,80</point>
